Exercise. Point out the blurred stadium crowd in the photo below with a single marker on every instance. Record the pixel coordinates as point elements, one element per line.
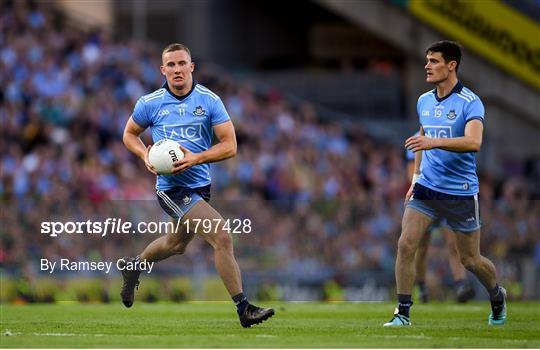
<point>325,198</point>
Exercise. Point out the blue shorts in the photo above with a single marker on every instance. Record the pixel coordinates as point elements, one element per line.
<point>461,213</point>
<point>179,200</point>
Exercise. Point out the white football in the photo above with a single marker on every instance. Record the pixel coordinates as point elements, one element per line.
<point>163,154</point>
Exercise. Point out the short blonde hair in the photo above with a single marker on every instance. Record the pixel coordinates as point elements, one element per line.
<point>176,47</point>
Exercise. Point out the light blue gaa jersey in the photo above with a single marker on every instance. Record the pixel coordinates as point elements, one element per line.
<point>444,171</point>
<point>186,119</point>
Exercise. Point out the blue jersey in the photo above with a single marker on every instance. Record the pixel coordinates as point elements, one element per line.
<point>186,119</point>
<point>445,171</point>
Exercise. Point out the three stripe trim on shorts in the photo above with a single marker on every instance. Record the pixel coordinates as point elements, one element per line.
<point>170,203</point>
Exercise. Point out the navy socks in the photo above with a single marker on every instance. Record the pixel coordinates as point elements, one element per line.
<point>496,296</point>
<point>404,304</point>
<point>241,302</point>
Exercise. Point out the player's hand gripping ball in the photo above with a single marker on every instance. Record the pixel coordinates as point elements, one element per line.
<point>163,154</point>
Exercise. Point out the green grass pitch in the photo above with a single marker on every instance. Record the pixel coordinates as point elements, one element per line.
<point>297,325</point>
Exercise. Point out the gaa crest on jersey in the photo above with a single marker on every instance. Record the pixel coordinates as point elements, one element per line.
<point>451,115</point>
<point>186,200</point>
<point>199,111</point>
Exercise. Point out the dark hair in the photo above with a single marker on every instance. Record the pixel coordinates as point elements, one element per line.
<point>176,47</point>
<point>450,50</point>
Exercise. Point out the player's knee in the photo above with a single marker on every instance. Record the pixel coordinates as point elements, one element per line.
<point>406,246</point>
<point>223,240</point>
<point>469,262</point>
<point>175,246</point>
<point>178,249</point>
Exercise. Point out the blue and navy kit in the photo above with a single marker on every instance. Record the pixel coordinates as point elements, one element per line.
<point>186,119</point>
<point>447,188</point>
<point>444,171</point>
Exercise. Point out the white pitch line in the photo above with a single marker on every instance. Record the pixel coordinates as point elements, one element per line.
<point>400,336</point>
<point>509,340</point>
<point>68,335</point>
<point>439,338</point>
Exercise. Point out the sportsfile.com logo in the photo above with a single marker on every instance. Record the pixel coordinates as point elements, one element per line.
<point>189,132</point>
<point>118,226</point>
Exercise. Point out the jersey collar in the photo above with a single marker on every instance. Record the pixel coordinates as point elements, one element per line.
<point>457,89</point>
<point>166,86</point>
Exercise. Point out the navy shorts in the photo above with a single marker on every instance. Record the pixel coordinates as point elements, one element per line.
<point>179,200</point>
<point>461,213</point>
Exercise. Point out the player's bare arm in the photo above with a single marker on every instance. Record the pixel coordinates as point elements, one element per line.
<point>417,160</point>
<point>471,142</point>
<point>414,175</point>
<point>413,170</point>
<point>134,143</point>
<point>224,149</point>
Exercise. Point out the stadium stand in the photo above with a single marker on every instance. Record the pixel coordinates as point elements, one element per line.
<point>325,197</point>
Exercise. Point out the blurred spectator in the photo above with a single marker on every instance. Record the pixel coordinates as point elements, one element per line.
<point>327,199</point>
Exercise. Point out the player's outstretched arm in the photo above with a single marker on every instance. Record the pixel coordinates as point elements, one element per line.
<point>134,143</point>
<point>224,149</point>
<point>471,142</point>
